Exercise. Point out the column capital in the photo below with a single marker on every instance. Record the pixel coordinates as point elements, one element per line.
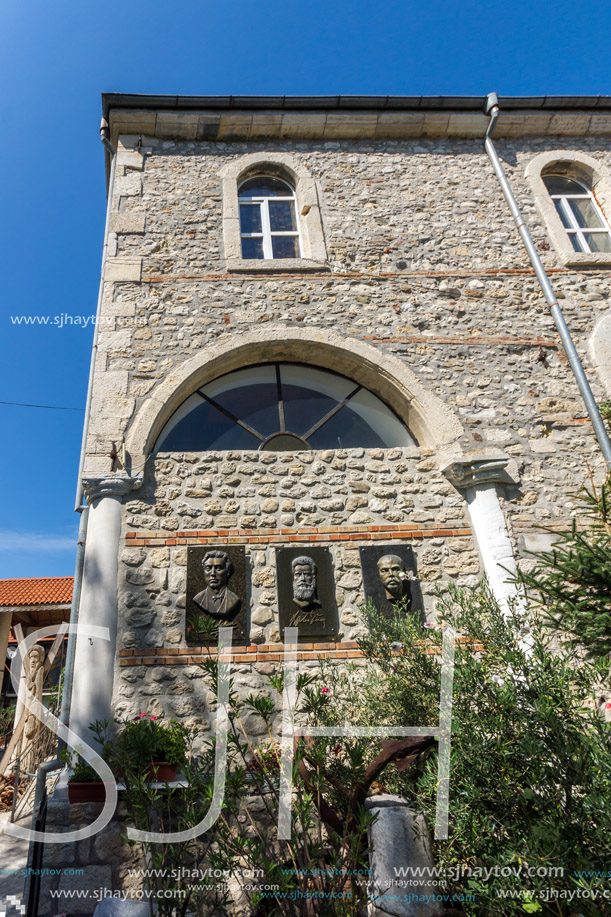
<point>475,470</point>
<point>111,484</point>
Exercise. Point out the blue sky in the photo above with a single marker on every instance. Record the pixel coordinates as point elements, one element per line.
<point>56,59</point>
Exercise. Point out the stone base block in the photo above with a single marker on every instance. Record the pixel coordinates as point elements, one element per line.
<point>115,907</point>
<point>398,841</point>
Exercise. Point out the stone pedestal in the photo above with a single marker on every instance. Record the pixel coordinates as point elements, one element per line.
<point>88,865</point>
<point>399,842</point>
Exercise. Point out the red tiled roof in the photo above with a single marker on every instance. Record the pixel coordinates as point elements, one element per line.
<point>50,590</point>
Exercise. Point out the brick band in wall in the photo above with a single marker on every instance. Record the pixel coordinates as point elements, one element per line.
<point>288,536</point>
<point>254,653</point>
<point>352,275</point>
<point>464,340</point>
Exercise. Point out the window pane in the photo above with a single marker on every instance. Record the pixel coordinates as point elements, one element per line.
<point>598,241</point>
<point>285,442</point>
<point>262,374</point>
<point>206,428</point>
<point>251,395</point>
<point>380,418</point>
<point>282,216</point>
<point>252,248</point>
<point>560,208</point>
<point>285,247</point>
<point>575,242</point>
<point>585,213</point>
<point>256,405</point>
<point>344,430</point>
<point>304,407</point>
<point>250,218</point>
<point>556,184</point>
<point>309,394</point>
<point>265,186</point>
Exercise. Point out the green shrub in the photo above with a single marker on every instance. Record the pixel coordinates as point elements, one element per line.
<point>530,777</point>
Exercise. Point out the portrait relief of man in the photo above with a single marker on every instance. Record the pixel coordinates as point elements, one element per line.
<point>394,579</point>
<point>305,591</point>
<point>390,580</point>
<point>217,600</point>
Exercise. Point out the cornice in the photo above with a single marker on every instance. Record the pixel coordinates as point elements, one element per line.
<point>328,118</point>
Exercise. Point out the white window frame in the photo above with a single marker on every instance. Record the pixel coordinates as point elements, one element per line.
<point>584,169</point>
<point>267,234</point>
<point>574,229</point>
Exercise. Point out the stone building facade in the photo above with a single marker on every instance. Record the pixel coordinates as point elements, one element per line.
<point>400,294</point>
<point>410,281</point>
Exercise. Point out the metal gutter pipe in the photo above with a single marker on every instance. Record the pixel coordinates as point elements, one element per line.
<point>78,506</point>
<point>74,609</point>
<point>492,109</point>
<point>56,763</point>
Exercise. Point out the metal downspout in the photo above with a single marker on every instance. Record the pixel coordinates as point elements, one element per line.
<point>74,610</point>
<point>56,763</point>
<point>492,109</point>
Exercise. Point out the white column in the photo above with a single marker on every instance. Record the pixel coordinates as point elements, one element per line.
<point>477,478</point>
<point>94,660</point>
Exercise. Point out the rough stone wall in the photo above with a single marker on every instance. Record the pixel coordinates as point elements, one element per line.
<point>94,865</point>
<point>259,490</point>
<point>424,262</point>
<point>425,265</point>
<point>263,499</point>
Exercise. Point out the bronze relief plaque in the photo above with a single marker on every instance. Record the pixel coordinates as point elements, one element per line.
<point>306,591</point>
<point>389,579</point>
<point>216,590</point>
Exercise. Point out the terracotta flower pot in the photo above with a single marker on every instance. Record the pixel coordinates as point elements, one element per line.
<point>86,792</point>
<point>162,772</point>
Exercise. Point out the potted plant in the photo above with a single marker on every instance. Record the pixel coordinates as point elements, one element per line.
<point>84,784</point>
<point>149,746</point>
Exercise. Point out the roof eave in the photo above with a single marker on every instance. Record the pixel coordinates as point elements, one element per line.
<point>348,102</point>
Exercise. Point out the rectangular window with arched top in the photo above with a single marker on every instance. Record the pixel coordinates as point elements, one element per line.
<point>271,215</point>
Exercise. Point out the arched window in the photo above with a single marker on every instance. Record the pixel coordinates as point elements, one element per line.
<point>276,226</point>
<point>581,216</point>
<point>282,407</point>
<point>268,219</point>
<point>572,191</point>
